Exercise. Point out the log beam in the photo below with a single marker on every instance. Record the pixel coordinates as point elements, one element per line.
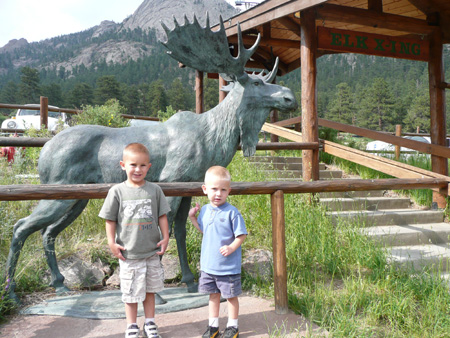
<point>363,17</point>
<point>96,191</point>
<point>279,253</point>
<point>437,110</point>
<point>310,128</point>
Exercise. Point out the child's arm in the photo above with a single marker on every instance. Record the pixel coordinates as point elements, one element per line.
<point>193,217</point>
<point>227,250</point>
<point>116,249</point>
<point>164,226</point>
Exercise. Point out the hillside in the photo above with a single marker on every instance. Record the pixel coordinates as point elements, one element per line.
<point>110,42</point>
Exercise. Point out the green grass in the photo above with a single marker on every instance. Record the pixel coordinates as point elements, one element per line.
<point>337,278</point>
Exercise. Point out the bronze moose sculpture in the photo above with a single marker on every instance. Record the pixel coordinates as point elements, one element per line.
<point>181,149</point>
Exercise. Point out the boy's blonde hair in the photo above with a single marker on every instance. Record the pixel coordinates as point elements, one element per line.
<point>136,148</point>
<point>218,172</point>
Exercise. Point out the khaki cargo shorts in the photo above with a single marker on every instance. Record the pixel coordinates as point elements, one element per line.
<point>139,277</point>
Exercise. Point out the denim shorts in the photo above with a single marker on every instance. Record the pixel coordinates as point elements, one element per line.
<point>229,286</point>
<point>139,277</point>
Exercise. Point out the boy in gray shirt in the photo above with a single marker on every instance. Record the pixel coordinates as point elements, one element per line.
<point>136,216</point>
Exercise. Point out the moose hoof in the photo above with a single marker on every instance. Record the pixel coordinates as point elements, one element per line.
<point>12,297</point>
<point>62,290</point>
<point>192,287</point>
<point>159,300</point>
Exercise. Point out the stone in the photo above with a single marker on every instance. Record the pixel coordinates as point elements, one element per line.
<point>258,264</point>
<point>172,268</point>
<point>80,274</point>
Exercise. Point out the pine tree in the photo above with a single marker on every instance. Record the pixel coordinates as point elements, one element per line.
<point>341,108</point>
<point>29,87</point>
<point>418,115</point>
<point>377,107</point>
<point>107,88</point>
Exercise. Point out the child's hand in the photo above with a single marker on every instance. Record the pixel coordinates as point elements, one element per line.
<point>116,250</point>
<point>194,210</point>
<point>227,250</point>
<point>163,244</point>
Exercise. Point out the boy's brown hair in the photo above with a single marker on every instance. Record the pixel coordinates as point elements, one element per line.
<point>136,148</point>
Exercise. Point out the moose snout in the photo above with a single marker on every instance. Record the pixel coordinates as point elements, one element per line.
<point>286,100</point>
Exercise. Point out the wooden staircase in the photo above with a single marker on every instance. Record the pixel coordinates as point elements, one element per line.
<point>413,236</point>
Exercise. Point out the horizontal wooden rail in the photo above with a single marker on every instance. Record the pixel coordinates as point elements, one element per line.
<point>283,132</point>
<point>22,106</point>
<point>23,141</point>
<point>396,140</point>
<point>286,146</point>
<point>95,191</point>
<point>376,135</point>
<point>72,111</point>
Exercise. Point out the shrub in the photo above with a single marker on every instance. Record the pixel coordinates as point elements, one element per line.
<point>108,115</point>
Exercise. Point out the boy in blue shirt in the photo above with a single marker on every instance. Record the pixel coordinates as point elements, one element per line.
<point>224,232</point>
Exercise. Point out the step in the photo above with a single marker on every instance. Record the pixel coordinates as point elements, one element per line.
<point>275,159</point>
<point>411,234</point>
<point>365,203</point>
<point>418,256</point>
<point>390,217</point>
<point>283,166</point>
<point>297,174</point>
<point>352,194</point>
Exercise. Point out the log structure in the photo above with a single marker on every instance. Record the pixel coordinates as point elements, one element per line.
<point>297,32</point>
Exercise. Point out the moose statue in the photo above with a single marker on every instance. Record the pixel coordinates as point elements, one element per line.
<point>181,149</point>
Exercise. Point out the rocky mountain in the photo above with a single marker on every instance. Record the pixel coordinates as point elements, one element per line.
<point>151,12</point>
<point>109,42</point>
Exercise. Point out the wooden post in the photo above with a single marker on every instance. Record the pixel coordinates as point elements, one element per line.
<point>279,253</point>
<point>310,130</point>
<point>199,104</point>
<point>273,119</point>
<point>437,110</point>
<point>44,112</point>
<point>222,94</point>
<point>398,132</point>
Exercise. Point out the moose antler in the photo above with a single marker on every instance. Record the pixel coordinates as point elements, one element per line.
<point>205,50</point>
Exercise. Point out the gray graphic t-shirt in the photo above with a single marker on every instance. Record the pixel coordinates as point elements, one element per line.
<point>136,212</point>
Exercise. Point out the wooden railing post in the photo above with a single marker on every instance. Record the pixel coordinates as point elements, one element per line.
<point>44,112</point>
<point>398,132</point>
<point>279,253</point>
<point>222,83</point>
<point>199,104</point>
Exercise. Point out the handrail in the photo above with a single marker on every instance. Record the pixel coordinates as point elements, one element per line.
<point>433,149</point>
<point>97,191</point>
<point>72,111</point>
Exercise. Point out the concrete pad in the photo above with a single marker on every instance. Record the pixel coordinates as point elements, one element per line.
<point>257,318</point>
<point>108,304</point>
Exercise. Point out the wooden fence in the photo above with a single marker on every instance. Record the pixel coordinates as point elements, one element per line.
<point>275,189</point>
<point>410,178</point>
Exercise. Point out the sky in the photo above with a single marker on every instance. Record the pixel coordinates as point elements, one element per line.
<point>37,20</point>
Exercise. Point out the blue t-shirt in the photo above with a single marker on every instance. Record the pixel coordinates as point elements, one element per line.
<point>220,226</point>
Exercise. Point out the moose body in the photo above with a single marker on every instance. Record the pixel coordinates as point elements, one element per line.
<point>181,150</point>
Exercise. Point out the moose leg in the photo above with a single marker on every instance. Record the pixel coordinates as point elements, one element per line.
<point>180,236</point>
<point>49,235</point>
<point>47,212</point>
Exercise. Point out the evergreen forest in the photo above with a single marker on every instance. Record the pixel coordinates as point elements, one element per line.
<point>366,91</point>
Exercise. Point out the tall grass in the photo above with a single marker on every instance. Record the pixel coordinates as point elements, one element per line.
<point>337,278</point>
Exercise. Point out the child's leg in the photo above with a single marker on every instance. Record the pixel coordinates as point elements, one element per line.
<point>131,313</point>
<point>233,311</point>
<point>149,305</point>
<point>214,305</point>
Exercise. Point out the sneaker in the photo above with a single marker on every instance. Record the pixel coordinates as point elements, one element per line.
<point>151,330</point>
<point>211,332</point>
<point>231,332</point>
<point>132,331</point>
